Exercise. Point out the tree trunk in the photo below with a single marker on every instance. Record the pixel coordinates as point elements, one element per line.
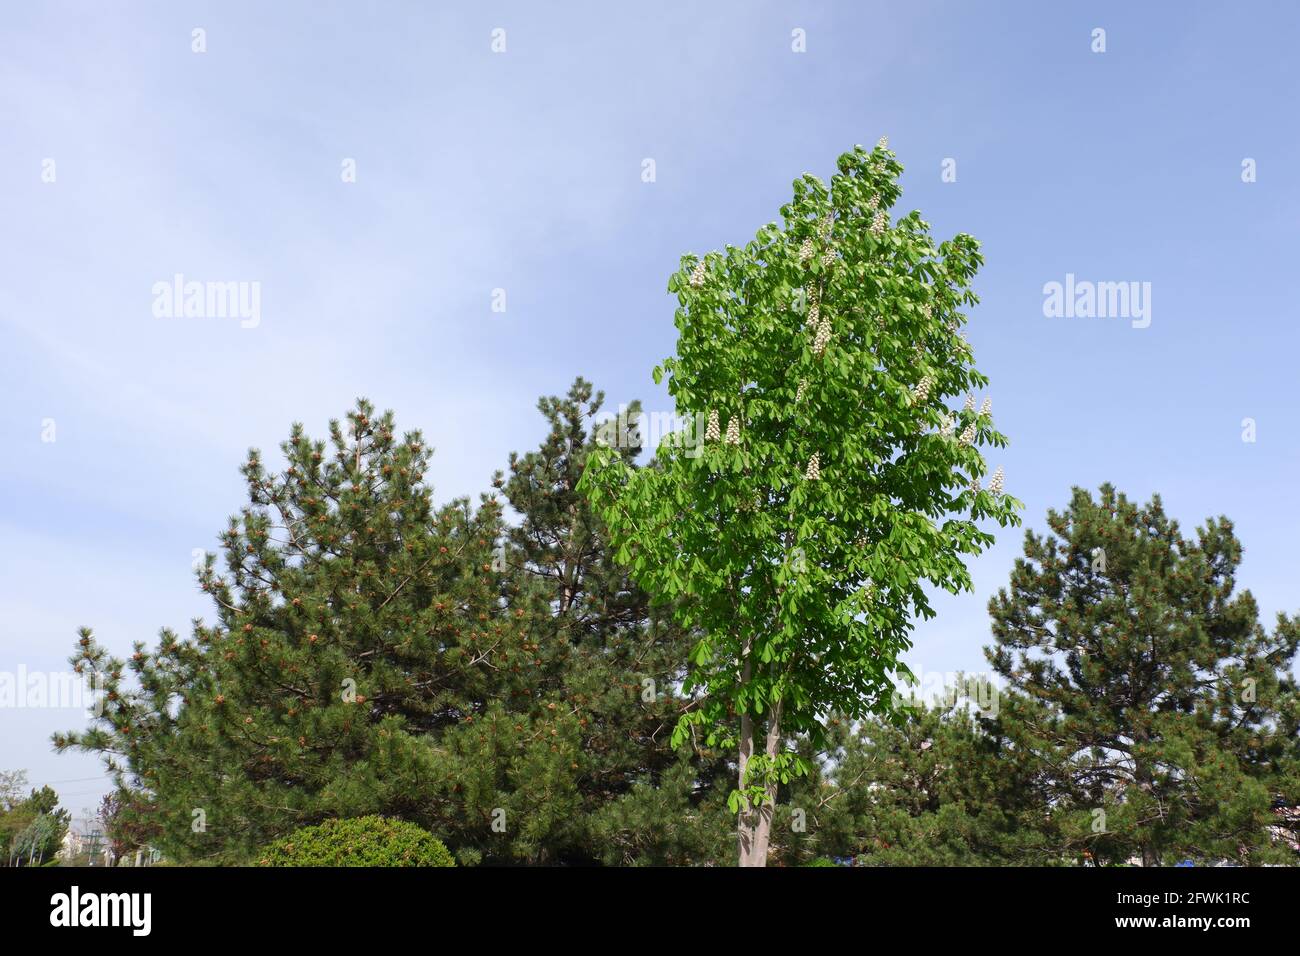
<point>763,828</point>
<point>745,822</point>
<point>754,827</point>
<point>1143,777</point>
<point>747,819</point>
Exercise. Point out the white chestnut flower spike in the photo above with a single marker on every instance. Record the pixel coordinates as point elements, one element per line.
<point>698,273</point>
<point>712,432</point>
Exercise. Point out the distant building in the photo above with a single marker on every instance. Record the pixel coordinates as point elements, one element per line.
<point>72,845</point>
<point>1288,829</point>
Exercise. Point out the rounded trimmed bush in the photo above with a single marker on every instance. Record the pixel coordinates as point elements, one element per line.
<point>360,841</point>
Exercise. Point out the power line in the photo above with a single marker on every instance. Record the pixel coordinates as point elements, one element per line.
<point>79,793</point>
<point>50,783</point>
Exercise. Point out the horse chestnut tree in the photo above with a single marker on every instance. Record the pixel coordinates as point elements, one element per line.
<point>834,480</point>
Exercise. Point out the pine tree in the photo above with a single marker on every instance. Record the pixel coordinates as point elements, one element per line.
<point>1162,716</point>
<point>353,623</point>
<point>798,547</point>
<point>623,659</point>
<point>925,786</point>
<point>507,688</point>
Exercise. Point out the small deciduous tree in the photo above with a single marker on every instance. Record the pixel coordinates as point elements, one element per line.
<point>31,828</point>
<point>831,481</point>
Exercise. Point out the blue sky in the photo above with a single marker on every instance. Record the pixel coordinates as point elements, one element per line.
<point>522,170</point>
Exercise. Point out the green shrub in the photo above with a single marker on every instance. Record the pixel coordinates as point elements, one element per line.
<point>361,841</point>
